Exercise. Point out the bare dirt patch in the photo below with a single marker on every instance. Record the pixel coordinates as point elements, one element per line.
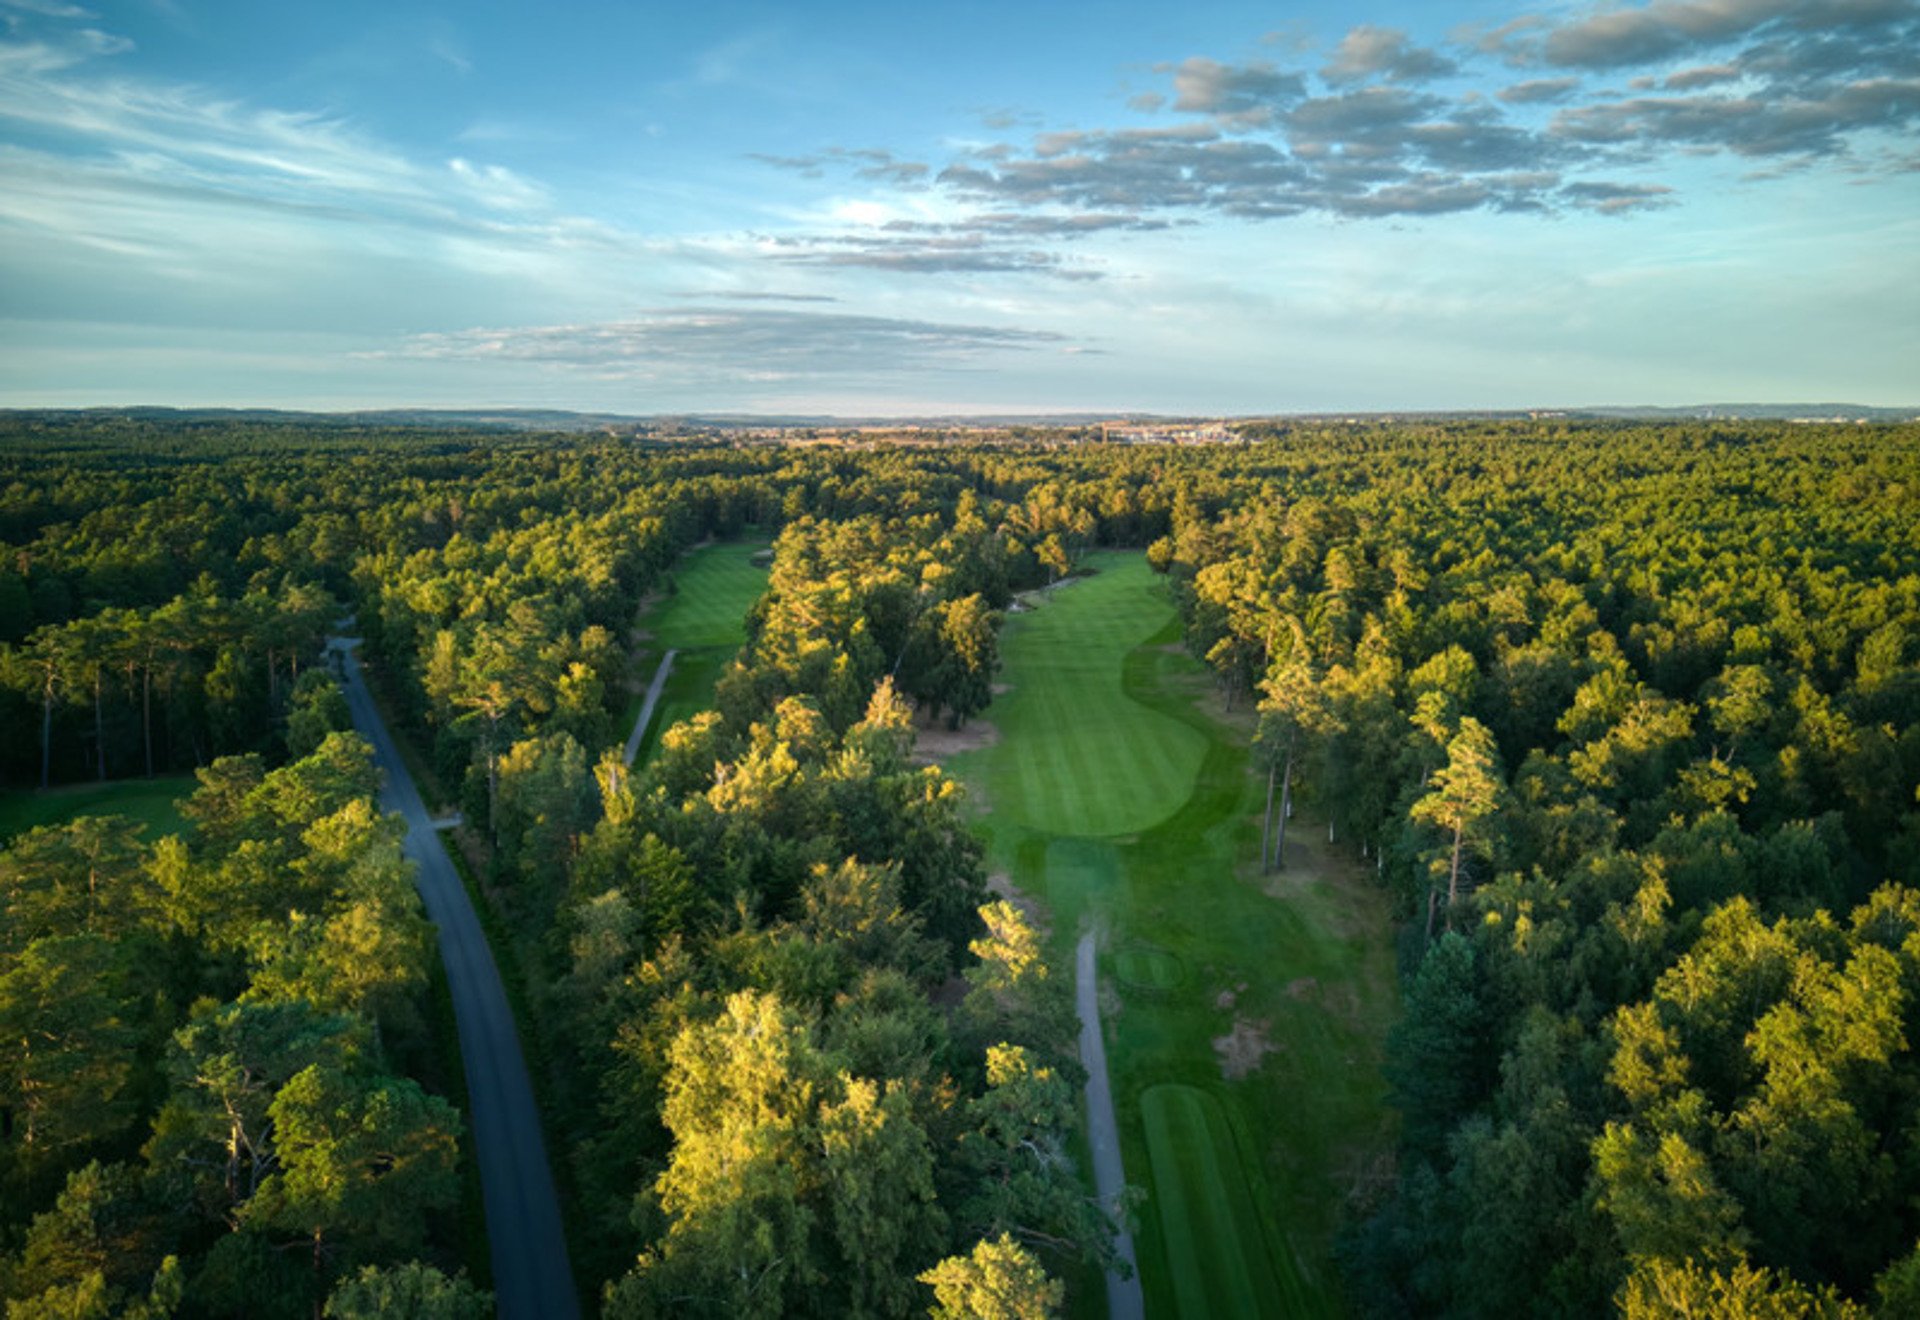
<point>934,742</point>
<point>1303,987</point>
<point>1001,886</point>
<point>1001,689</point>
<point>1288,884</point>
<point>1242,1049</point>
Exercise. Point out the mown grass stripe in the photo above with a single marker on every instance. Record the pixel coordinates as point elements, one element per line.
<point>715,586</point>
<point>1092,760</point>
<point>1207,1221</point>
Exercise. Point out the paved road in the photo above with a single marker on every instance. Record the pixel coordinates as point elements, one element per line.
<point>1124,1299</point>
<point>531,1277</point>
<point>654,689</point>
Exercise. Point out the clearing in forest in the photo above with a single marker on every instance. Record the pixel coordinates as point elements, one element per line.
<point>149,800</point>
<point>704,619</point>
<point>1114,796</point>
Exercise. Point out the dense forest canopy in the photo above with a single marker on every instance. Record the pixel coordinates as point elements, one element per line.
<point>1626,719</point>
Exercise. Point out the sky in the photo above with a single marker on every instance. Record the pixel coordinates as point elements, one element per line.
<point>899,209</point>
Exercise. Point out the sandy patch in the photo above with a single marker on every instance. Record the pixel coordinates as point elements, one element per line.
<point>1290,883</point>
<point>935,742</point>
<point>1303,987</point>
<point>1001,886</point>
<point>1001,689</point>
<point>1242,1049</point>
<point>1224,1000</point>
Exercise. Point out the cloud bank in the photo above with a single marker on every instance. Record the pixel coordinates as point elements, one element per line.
<point>722,344</point>
<point>1387,128</point>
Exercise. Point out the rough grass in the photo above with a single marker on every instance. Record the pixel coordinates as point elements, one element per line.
<point>704,619</point>
<point>1172,883</point>
<point>148,800</point>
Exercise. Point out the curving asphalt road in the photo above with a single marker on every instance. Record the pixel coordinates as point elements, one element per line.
<point>654,689</point>
<point>1124,1298</point>
<point>531,1277</point>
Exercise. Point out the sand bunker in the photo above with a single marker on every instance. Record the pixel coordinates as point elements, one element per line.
<point>1242,1049</point>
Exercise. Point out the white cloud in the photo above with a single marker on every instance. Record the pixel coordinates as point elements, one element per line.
<point>754,344</point>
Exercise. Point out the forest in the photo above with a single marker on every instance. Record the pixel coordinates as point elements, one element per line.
<point>1620,720</point>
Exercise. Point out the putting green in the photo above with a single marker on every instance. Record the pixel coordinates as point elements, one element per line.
<point>1079,755</point>
<point>1209,1223</point>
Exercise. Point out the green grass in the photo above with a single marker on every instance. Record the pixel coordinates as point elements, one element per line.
<point>704,619</point>
<point>1210,1226</point>
<point>148,800</point>
<point>1143,967</point>
<point>1193,939</point>
<point>716,584</point>
<point>1090,760</point>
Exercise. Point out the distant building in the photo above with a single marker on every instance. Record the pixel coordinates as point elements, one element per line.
<point>1167,433</point>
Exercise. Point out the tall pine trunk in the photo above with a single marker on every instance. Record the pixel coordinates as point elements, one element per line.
<point>99,730</point>
<point>146,714</point>
<point>1286,809</point>
<point>1266,820</point>
<point>46,733</point>
<point>1453,873</point>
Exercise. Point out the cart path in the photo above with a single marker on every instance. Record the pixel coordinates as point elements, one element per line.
<point>1124,1298</point>
<point>531,1277</point>
<point>654,689</point>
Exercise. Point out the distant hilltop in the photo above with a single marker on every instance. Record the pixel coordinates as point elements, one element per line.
<point>1759,412</point>
<point>1128,427</point>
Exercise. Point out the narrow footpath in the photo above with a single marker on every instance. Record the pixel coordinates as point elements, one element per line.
<point>1124,1298</point>
<point>654,689</point>
<point>531,1277</point>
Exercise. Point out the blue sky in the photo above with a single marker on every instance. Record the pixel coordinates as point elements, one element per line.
<point>889,209</point>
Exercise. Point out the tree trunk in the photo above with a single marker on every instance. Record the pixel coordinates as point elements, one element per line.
<point>46,732</point>
<point>146,713</point>
<point>1266,820</point>
<point>493,828</point>
<point>319,1272</point>
<point>1433,901</point>
<point>1286,810</point>
<point>99,730</point>
<point>1453,873</point>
